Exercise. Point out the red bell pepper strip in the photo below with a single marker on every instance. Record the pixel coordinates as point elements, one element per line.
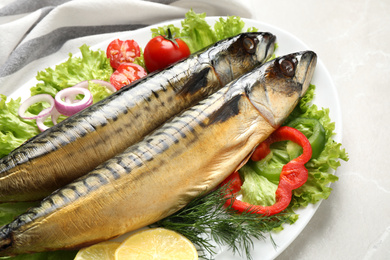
<point>293,175</point>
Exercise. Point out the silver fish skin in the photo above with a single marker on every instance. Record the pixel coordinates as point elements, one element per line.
<point>190,154</point>
<point>80,143</point>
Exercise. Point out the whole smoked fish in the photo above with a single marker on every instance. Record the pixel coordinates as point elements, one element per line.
<point>189,154</point>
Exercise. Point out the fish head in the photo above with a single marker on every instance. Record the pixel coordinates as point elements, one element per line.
<point>240,54</point>
<point>280,84</point>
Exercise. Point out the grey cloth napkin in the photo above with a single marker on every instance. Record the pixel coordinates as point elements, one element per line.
<point>38,34</point>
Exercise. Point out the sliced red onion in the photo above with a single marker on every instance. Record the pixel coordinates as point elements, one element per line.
<point>84,84</point>
<point>33,100</point>
<point>65,102</point>
<point>69,109</point>
<point>71,98</point>
<point>54,116</point>
<point>41,121</point>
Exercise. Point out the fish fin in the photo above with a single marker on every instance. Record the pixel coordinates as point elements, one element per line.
<point>196,82</point>
<point>228,110</point>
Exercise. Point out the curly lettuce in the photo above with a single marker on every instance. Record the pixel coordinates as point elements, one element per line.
<point>198,34</point>
<point>14,130</point>
<point>91,65</point>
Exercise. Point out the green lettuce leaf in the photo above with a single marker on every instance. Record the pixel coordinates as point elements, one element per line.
<point>98,92</point>
<point>228,27</point>
<point>198,34</point>
<point>162,30</point>
<point>91,65</point>
<point>14,130</point>
<point>140,60</point>
<point>257,189</point>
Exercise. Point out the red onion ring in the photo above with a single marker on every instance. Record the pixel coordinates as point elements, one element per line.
<point>35,99</point>
<point>54,116</point>
<point>41,121</point>
<point>69,109</point>
<point>65,102</point>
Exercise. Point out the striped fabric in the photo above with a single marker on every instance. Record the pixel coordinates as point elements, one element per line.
<point>37,34</point>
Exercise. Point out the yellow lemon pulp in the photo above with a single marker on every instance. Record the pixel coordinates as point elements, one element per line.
<point>156,243</point>
<point>101,251</point>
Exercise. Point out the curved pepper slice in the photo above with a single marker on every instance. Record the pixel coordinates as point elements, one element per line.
<point>293,175</point>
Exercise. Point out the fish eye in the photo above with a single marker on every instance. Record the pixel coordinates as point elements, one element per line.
<point>287,67</point>
<point>249,45</point>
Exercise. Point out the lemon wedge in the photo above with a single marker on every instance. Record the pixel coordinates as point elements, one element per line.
<point>156,243</point>
<point>100,251</point>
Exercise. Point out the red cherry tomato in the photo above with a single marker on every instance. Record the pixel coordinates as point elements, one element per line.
<point>122,51</point>
<point>162,51</point>
<point>125,74</point>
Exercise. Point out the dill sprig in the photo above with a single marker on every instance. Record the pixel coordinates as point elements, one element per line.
<point>206,219</point>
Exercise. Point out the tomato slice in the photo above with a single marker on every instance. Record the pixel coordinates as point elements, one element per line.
<point>122,52</point>
<point>125,74</point>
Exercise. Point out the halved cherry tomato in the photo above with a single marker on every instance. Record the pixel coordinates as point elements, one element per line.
<point>125,74</point>
<point>122,51</point>
<point>162,51</point>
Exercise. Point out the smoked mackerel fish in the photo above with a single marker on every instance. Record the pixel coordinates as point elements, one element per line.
<point>77,145</point>
<point>190,154</point>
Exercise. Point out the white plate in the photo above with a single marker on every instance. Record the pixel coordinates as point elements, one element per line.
<point>326,96</point>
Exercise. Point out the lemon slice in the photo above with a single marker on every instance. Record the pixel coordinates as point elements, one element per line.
<point>156,243</point>
<point>101,251</point>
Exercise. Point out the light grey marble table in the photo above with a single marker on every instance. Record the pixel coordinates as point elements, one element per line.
<point>352,38</point>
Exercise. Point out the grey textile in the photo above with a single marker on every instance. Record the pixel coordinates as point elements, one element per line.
<point>38,34</point>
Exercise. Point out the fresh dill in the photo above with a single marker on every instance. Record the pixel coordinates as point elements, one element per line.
<point>206,219</point>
